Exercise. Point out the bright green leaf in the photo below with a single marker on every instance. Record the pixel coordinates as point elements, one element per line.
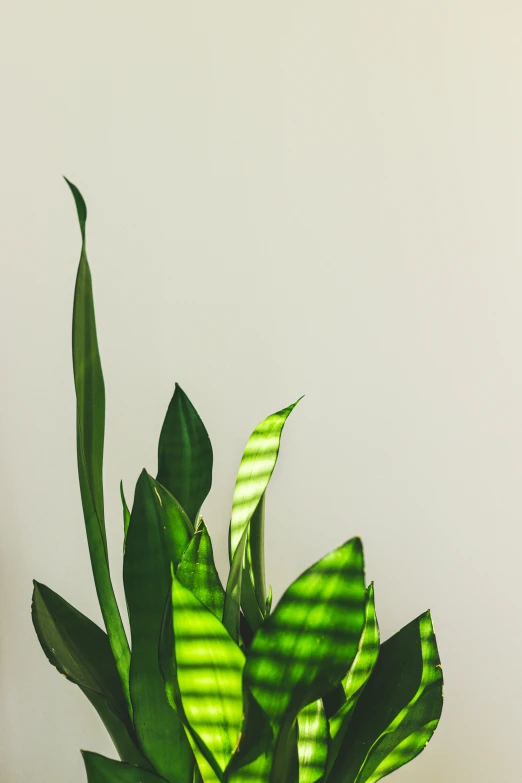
<point>312,742</point>
<point>159,532</point>
<point>197,571</point>
<point>203,675</point>
<point>90,428</point>
<point>103,770</point>
<point>185,455</point>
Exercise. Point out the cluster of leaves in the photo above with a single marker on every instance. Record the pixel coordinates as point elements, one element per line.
<point>215,687</point>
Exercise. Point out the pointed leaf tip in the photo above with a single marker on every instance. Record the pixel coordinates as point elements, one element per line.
<point>81,206</point>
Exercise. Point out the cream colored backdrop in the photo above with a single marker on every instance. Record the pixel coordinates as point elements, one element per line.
<point>284,198</point>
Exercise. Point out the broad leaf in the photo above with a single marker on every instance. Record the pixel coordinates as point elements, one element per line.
<point>307,644</point>
<point>398,709</point>
<point>197,571</point>
<point>312,742</point>
<point>255,469</point>
<point>357,677</point>
<point>80,650</point>
<point>203,668</point>
<point>159,532</point>
<point>103,770</point>
<point>185,455</point>
<point>90,429</point>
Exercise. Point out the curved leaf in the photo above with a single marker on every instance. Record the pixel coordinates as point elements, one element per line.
<point>312,742</point>
<point>90,429</point>
<point>126,515</point>
<point>232,607</point>
<point>80,650</point>
<point>159,532</point>
<point>203,667</point>
<point>399,706</point>
<point>185,455</point>
<point>197,571</point>
<point>103,770</point>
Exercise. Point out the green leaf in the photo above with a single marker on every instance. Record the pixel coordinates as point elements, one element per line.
<point>103,770</point>
<point>310,640</point>
<point>253,759</point>
<point>185,455</point>
<point>231,611</point>
<point>313,742</point>
<point>255,469</point>
<point>159,532</point>
<point>203,669</point>
<point>197,571</point>
<point>80,650</point>
<point>126,515</point>
<point>398,709</point>
<point>307,644</point>
<point>357,676</point>
<point>90,429</point>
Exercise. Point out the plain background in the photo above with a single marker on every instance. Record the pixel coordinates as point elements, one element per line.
<point>284,198</point>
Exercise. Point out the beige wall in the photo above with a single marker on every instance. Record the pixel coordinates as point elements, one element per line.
<point>285,198</point>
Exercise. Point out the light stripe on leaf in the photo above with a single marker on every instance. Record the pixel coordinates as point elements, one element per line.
<point>90,430</point>
<point>203,668</point>
<point>159,532</point>
<point>400,704</point>
<point>185,455</point>
<point>103,770</point>
<point>312,745</point>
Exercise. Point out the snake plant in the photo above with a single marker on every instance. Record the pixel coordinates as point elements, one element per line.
<point>215,686</point>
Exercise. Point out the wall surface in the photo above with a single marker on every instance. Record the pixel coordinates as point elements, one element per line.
<point>284,198</point>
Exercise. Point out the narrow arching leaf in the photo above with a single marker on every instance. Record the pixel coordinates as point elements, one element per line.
<point>197,571</point>
<point>398,709</point>
<point>357,677</point>
<point>126,515</point>
<point>256,553</point>
<point>185,455</point>
<point>159,532</point>
<point>232,611</point>
<point>203,675</point>
<point>103,770</point>
<point>80,650</point>
<point>312,742</point>
<point>310,640</point>
<point>90,429</point>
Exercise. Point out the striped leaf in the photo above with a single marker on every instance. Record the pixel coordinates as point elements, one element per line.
<point>398,709</point>
<point>197,571</point>
<point>185,455</point>
<point>90,429</point>
<point>203,668</point>
<point>159,532</point>
<point>103,770</point>
<point>312,743</point>
<point>255,469</point>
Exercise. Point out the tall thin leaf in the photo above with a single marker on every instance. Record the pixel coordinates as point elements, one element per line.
<point>90,428</point>
<point>312,742</point>
<point>159,532</point>
<point>185,455</point>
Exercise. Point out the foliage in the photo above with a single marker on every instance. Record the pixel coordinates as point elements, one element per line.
<point>214,685</point>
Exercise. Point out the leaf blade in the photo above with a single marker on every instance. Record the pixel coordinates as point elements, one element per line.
<point>104,770</point>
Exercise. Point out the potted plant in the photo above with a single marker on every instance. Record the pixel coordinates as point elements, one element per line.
<point>215,685</point>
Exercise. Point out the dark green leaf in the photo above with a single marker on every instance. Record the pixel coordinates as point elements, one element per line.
<point>103,770</point>
<point>197,571</point>
<point>203,676</point>
<point>231,611</point>
<point>126,515</point>
<point>80,650</point>
<point>90,428</point>
<point>398,709</point>
<point>159,532</point>
<point>185,455</point>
